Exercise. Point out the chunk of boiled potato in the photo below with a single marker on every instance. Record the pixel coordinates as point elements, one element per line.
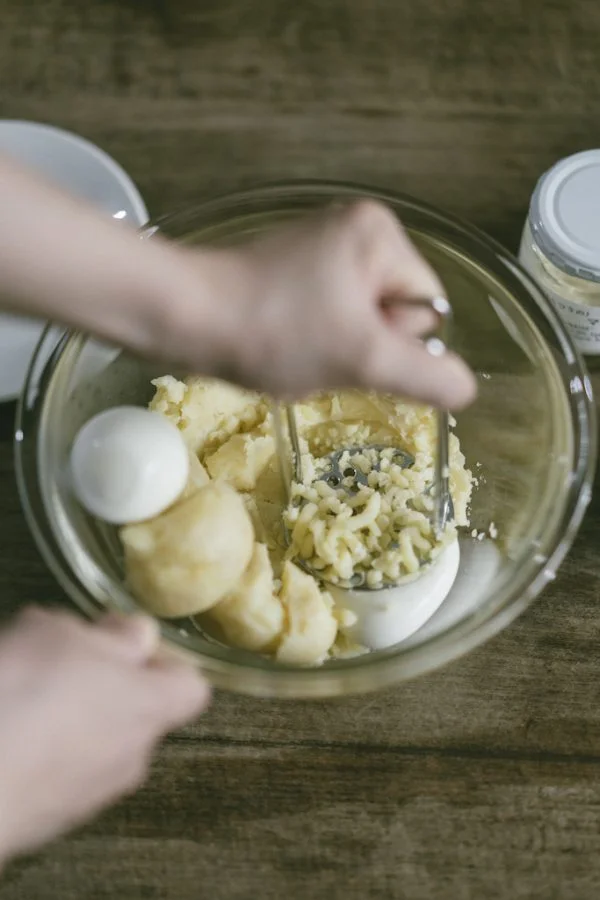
<point>241,460</point>
<point>198,476</point>
<point>251,616</point>
<point>267,503</point>
<point>185,560</point>
<point>206,411</point>
<point>311,626</point>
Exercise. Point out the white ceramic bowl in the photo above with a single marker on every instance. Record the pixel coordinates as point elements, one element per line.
<point>82,169</point>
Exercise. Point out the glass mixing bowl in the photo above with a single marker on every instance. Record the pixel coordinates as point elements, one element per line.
<point>529,438</point>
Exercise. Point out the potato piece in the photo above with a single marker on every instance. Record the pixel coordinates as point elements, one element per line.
<point>198,477</point>
<point>241,460</point>
<point>185,560</point>
<point>206,411</point>
<point>251,617</point>
<point>311,626</point>
<point>268,499</point>
<point>168,396</point>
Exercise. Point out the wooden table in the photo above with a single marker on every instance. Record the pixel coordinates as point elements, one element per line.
<point>481,781</point>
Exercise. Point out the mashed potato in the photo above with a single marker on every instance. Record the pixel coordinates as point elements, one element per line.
<point>365,517</point>
<point>231,516</point>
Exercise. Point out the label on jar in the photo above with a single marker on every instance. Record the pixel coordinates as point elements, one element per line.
<point>582,321</point>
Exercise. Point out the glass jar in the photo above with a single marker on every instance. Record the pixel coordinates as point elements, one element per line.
<point>560,246</point>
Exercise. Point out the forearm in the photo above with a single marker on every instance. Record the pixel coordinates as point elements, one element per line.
<point>63,261</point>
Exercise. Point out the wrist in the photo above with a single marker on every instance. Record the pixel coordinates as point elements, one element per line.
<point>203,310</point>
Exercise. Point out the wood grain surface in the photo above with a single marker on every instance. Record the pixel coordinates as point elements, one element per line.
<point>482,780</point>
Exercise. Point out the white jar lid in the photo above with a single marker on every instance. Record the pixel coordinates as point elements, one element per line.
<point>565,214</point>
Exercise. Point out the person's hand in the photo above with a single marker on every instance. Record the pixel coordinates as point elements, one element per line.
<point>328,302</point>
<point>81,709</point>
<point>322,303</point>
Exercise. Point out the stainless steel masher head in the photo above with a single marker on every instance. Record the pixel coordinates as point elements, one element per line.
<point>339,471</point>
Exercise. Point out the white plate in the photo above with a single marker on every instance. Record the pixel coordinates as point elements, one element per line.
<point>84,170</point>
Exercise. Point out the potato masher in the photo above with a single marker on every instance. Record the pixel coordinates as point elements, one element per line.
<point>350,478</point>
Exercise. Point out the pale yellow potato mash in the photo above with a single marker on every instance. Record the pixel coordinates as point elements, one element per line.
<point>220,553</point>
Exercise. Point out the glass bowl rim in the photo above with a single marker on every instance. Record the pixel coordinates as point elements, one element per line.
<point>470,631</point>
